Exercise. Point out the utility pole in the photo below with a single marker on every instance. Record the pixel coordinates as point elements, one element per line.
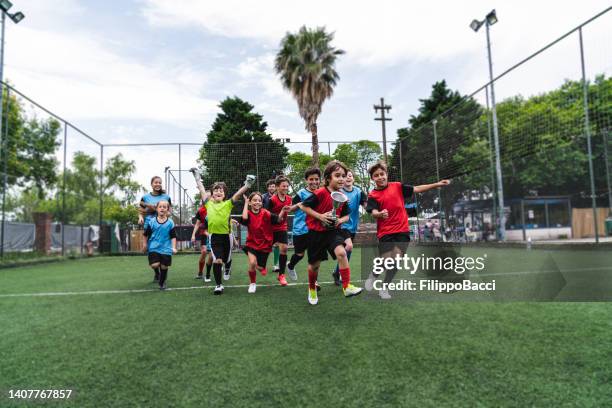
<point>382,108</point>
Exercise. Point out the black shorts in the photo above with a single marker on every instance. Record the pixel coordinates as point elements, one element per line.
<point>262,257</point>
<point>387,243</point>
<point>155,257</point>
<point>221,246</point>
<point>320,243</point>
<point>280,237</point>
<point>300,243</point>
<point>347,234</point>
<point>203,240</point>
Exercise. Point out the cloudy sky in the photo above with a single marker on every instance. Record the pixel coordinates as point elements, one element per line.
<point>134,71</point>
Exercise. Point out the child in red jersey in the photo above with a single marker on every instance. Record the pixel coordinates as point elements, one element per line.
<point>386,204</point>
<point>325,236</point>
<point>277,202</point>
<point>199,230</point>
<point>260,236</point>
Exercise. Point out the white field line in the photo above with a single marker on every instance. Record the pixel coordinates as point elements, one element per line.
<point>124,291</point>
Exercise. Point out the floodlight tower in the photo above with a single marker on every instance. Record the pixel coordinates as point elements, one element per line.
<point>475,25</point>
<point>5,5</point>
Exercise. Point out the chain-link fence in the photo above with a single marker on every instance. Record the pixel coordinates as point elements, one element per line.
<point>66,192</point>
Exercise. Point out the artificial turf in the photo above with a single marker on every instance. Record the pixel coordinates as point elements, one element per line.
<point>190,348</point>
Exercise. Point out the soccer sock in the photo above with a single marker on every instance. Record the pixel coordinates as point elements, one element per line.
<point>295,258</point>
<point>348,256</point>
<point>228,266</point>
<point>345,273</point>
<point>276,252</point>
<point>208,266</point>
<point>252,275</point>
<point>389,275</point>
<point>282,263</point>
<point>312,277</point>
<point>217,273</point>
<point>156,270</point>
<point>200,267</point>
<point>162,276</point>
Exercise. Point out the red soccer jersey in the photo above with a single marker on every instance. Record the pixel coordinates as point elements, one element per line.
<point>275,206</point>
<point>201,216</point>
<point>390,198</point>
<point>321,202</point>
<point>260,235</point>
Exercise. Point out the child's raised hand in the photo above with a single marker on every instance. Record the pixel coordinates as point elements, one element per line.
<point>246,199</point>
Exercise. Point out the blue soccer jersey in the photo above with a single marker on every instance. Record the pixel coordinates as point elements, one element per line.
<point>356,197</point>
<point>160,235</point>
<point>299,219</point>
<point>153,200</point>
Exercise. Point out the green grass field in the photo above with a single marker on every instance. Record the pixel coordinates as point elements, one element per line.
<point>186,347</point>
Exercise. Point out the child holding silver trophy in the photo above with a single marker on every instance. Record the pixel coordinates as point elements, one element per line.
<point>326,210</point>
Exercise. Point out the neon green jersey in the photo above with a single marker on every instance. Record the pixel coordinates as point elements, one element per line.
<point>218,215</point>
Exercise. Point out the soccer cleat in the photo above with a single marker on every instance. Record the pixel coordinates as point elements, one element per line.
<point>163,287</point>
<point>337,280</point>
<point>292,274</point>
<point>218,290</point>
<point>317,286</point>
<point>252,287</point>
<point>313,299</point>
<point>369,283</point>
<point>264,272</point>
<point>207,279</point>
<point>282,279</point>
<point>227,274</point>
<point>384,294</point>
<point>351,290</point>
<point>198,276</point>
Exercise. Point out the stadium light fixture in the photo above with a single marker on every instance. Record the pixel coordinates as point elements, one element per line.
<point>17,17</point>
<point>5,5</point>
<point>475,25</point>
<point>491,18</point>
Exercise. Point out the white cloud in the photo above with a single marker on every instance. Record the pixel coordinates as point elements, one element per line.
<point>382,32</point>
<point>79,77</point>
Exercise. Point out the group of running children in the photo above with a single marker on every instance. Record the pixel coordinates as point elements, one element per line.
<point>316,232</point>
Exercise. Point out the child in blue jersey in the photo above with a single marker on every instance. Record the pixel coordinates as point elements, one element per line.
<point>300,229</point>
<point>148,204</point>
<point>356,198</point>
<point>160,241</point>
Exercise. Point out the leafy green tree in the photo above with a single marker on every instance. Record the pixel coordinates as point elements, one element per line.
<point>238,144</point>
<point>29,147</point>
<point>359,156</point>
<point>297,164</point>
<point>306,65</point>
<point>118,174</point>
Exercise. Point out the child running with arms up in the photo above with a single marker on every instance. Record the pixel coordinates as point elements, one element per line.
<point>219,210</point>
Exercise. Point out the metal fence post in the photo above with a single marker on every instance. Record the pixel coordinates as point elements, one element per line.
<point>606,135</point>
<point>180,187</point>
<point>4,166</point>
<point>587,130</point>
<point>64,190</point>
<point>257,168</point>
<point>101,197</point>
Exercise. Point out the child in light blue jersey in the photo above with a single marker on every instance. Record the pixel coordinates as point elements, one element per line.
<point>160,241</point>
<point>300,230</point>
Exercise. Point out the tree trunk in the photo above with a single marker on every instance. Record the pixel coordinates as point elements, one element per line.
<point>315,146</point>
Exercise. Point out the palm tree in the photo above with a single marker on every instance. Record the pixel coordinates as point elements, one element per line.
<point>306,65</point>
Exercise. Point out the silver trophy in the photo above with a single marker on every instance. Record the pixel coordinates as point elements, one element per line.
<point>338,198</point>
<point>250,179</point>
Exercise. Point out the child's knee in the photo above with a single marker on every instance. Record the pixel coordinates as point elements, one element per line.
<point>155,265</point>
<point>349,246</point>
